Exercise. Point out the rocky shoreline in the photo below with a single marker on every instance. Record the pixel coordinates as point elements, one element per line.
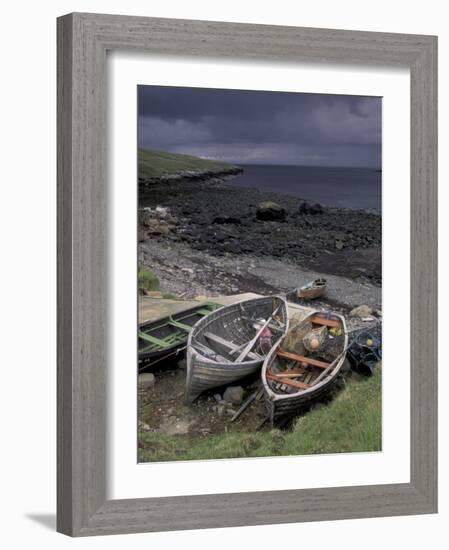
<point>186,175</point>
<point>210,216</point>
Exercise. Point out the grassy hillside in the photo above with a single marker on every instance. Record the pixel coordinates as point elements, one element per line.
<point>352,422</point>
<point>154,164</point>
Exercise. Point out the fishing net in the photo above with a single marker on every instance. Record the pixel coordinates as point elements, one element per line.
<point>314,339</point>
<point>365,351</point>
<point>299,326</point>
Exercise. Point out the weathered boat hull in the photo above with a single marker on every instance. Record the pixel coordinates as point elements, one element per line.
<point>292,405</point>
<point>207,374</point>
<point>283,406</point>
<point>313,290</point>
<point>204,373</point>
<point>311,293</point>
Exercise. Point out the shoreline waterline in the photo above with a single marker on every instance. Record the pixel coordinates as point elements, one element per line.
<point>333,187</point>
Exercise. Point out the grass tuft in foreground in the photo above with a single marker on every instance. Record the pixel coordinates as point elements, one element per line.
<point>148,280</point>
<point>351,422</point>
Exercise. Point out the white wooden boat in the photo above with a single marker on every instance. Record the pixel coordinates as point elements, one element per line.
<point>292,381</point>
<point>231,342</point>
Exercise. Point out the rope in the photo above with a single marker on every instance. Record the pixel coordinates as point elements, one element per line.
<point>175,352</point>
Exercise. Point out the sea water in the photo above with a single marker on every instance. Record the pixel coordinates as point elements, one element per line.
<point>356,188</point>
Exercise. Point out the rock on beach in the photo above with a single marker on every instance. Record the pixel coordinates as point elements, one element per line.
<point>361,312</point>
<point>146,380</point>
<point>233,395</point>
<point>268,211</point>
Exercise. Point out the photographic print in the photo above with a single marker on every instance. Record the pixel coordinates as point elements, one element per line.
<point>259,273</point>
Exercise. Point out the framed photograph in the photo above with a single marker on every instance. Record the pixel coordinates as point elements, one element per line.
<point>247,288</point>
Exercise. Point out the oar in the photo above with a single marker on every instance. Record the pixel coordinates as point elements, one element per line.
<point>250,345</point>
<point>246,404</point>
<point>278,328</point>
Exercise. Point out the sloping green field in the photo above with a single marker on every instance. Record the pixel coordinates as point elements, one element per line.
<point>154,164</point>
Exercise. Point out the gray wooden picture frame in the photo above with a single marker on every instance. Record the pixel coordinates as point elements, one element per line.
<point>83,41</point>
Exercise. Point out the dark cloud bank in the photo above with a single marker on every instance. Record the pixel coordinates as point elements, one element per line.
<point>262,127</point>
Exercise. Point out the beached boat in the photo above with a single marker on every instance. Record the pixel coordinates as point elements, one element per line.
<point>311,290</point>
<point>161,339</point>
<point>293,377</point>
<point>232,342</point>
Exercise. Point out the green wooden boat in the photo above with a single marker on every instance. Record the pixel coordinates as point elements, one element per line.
<point>167,337</point>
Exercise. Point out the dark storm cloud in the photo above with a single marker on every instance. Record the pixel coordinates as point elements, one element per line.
<point>270,127</point>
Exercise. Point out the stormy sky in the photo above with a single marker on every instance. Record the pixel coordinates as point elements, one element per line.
<point>251,127</point>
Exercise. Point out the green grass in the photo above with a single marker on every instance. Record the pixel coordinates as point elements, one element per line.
<point>148,280</point>
<point>351,422</point>
<point>153,164</point>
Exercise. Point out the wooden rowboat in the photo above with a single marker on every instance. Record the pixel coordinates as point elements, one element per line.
<point>226,345</point>
<point>292,381</point>
<point>161,339</point>
<point>311,290</point>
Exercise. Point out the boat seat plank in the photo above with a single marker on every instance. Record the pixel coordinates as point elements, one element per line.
<point>302,359</point>
<point>229,345</point>
<point>290,373</point>
<point>207,352</point>
<point>178,324</point>
<point>325,322</point>
<point>153,340</point>
<point>293,383</point>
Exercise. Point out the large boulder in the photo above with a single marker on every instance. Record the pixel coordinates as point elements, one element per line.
<point>361,312</point>
<point>233,395</point>
<point>270,211</point>
<point>157,221</point>
<point>309,208</point>
<point>146,380</point>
